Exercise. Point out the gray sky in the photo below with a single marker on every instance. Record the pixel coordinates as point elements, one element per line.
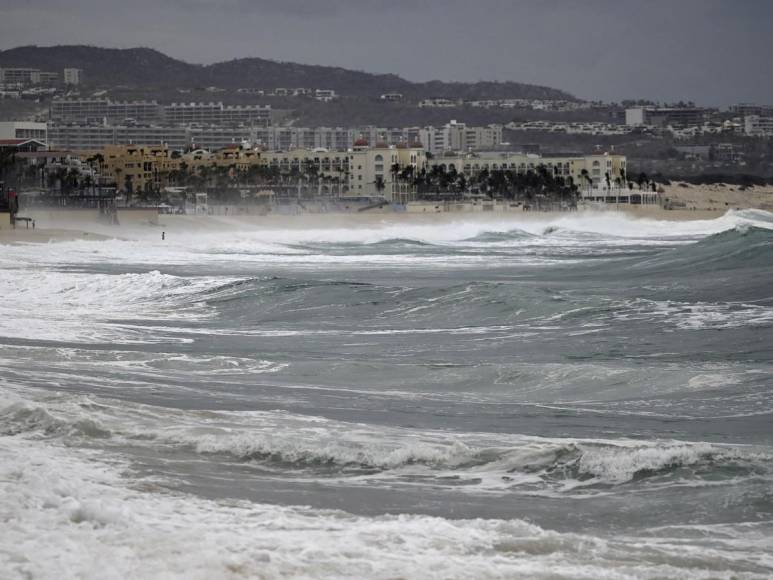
<point>709,51</point>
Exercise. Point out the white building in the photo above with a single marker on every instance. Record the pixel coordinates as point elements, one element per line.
<point>635,117</point>
<point>23,130</point>
<point>459,137</point>
<point>757,126</point>
<point>325,95</point>
<point>73,76</point>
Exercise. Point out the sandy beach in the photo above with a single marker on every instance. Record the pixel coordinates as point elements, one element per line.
<point>719,197</point>
<point>699,203</point>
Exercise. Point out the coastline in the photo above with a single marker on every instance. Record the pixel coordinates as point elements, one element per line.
<point>22,235</point>
<point>65,225</point>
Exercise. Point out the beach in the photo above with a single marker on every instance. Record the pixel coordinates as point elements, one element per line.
<point>702,203</point>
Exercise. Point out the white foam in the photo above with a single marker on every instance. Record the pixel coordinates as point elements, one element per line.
<point>69,512</point>
<point>278,246</point>
<point>499,461</point>
<point>50,305</point>
<point>697,315</point>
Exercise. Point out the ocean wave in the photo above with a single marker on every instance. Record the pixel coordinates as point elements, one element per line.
<point>695,316</point>
<point>78,307</point>
<point>504,462</point>
<point>497,236</point>
<point>54,497</point>
<point>739,247</point>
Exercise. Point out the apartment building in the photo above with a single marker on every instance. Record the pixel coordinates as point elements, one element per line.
<point>459,137</point>
<point>44,78</point>
<point>99,110</point>
<point>22,76</point>
<point>135,111</point>
<point>90,110</point>
<point>667,116</point>
<point>73,76</point>
<point>216,114</point>
<point>758,126</point>
<point>748,109</point>
<point>78,110</point>
<point>78,136</point>
<point>215,137</point>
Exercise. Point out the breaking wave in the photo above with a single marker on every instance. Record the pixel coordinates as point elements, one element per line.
<point>337,449</point>
<point>125,526</point>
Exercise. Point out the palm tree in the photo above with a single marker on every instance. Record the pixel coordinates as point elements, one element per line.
<point>586,177</point>
<point>128,188</point>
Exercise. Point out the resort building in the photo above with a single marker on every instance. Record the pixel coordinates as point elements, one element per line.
<point>75,136</point>
<point>584,171</point>
<point>360,172</point>
<point>136,168</point>
<point>91,110</point>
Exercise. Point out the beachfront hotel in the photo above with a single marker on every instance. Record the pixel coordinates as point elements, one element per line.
<point>584,170</point>
<point>363,171</point>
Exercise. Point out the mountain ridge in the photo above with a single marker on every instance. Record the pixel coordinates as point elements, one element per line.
<point>143,66</point>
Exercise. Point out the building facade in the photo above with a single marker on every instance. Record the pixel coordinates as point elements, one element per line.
<point>758,126</point>
<point>24,130</point>
<point>136,169</point>
<point>584,171</point>
<point>73,76</point>
<point>459,137</point>
<point>667,116</point>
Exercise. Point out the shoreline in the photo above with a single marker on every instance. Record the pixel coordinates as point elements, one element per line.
<point>70,225</point>
<point>22,235</point>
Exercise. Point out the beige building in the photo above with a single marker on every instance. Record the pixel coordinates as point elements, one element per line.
<point>233,156</point>
<point>581,169</point>
<point>377,171</point>
<point>362,171</point>
<point>135,167</point>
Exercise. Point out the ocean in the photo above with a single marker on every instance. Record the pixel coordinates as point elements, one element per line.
<point>572,396</point>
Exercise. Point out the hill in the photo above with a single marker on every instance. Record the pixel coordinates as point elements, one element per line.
<point>146,67</point>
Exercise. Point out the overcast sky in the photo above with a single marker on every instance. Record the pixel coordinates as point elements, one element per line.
<point>710,51</point>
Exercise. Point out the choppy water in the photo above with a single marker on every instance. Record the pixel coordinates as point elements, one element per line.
<point>585,397</point>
